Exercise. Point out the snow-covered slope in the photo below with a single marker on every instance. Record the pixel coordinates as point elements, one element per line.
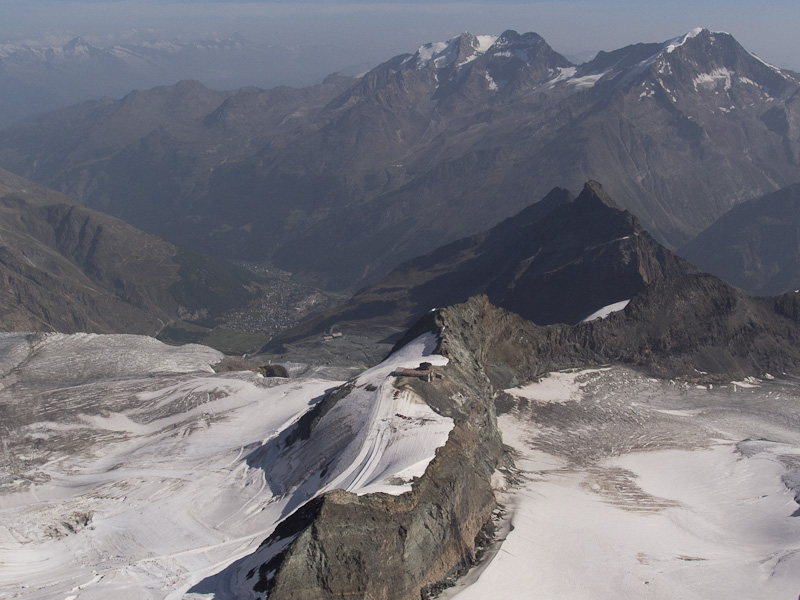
<point>132,471</point>
<point>634,488</point>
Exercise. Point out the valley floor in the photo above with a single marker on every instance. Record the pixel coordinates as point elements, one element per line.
<point>631,488</point>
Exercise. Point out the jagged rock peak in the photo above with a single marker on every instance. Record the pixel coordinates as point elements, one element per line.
<point>77,46</point>
<point>526,47</point>
<point>709,56</point>
<point>511,38</point>
<point>594,193</point>
<point>457,51</point>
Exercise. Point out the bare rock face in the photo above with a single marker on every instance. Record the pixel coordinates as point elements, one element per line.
<point>693,326</point>
<point>399,547</point>
<point>388,547</point>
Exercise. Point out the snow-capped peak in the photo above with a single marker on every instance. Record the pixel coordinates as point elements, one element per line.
<point>485,42</point>
<point>77,46</point>
<point>681,40</point>
<point>459,50</point>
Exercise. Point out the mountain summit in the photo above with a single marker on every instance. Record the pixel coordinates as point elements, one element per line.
<point>341,182</point>
<point>558,261</point>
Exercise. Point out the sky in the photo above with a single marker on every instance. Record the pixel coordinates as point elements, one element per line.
<point>379,29</point>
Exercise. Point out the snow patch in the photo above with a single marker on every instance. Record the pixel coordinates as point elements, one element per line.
<point>485,42</point>
<point>587,81</point>
<point>563,75</point>
<point>429,51</point>
<point>602,313</point>
<point>681,40</point>
<point>441,54</point>
<point>558,387</point>
<point>712,80</point>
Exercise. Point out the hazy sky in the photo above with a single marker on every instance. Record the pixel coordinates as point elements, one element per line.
<point>380,29</point>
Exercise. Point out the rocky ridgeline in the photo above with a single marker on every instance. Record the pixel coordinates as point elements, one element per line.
<point>380,546</point>
<point>693,327</point>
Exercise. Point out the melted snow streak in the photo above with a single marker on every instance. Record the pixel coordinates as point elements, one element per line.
<point>136,472</point>
<point>628,487</point>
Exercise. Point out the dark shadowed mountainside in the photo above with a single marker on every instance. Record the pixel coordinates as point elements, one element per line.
<point>557,261</point>
<point>755,245</point>
<point>68,268</point>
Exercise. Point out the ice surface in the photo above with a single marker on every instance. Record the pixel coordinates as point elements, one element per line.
<point>587,81</point>
<point>558,386</point>
<point>485,42</point>
<point>681,40</point>
<point>663,503</point>
<point>143,473</point>
<point>563,75</point>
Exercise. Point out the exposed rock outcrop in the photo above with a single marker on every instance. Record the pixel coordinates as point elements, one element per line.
<point>694,327</point>
<point>340,545</point>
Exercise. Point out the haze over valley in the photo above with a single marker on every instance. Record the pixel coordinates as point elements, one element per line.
<point>289,316</point>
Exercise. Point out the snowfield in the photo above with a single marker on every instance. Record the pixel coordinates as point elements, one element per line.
<point>633,488</point>
<point>131,470</point>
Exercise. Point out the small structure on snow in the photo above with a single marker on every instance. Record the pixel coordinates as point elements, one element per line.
<point>425,372</point>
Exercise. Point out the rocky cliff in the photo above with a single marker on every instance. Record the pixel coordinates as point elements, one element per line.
<point>340,545</point>
<point>381,546</point>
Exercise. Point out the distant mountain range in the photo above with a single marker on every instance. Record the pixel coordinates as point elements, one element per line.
<point>339,183</point>
<point>36,78</point>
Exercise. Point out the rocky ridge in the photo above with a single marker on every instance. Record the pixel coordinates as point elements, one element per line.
<point>379,545</point>
<point>693,327</point>
<point>557,261</point>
